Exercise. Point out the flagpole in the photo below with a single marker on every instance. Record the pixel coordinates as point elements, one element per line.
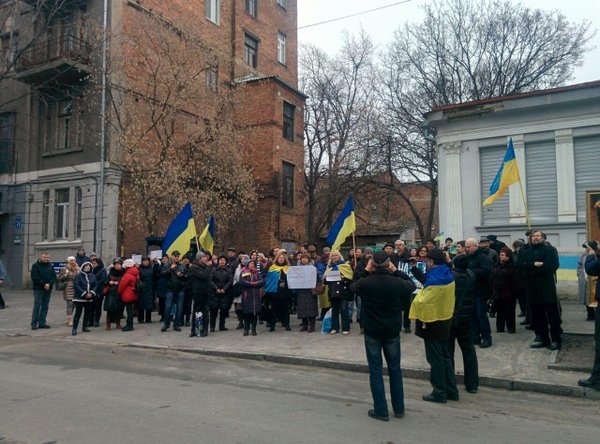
<point>354,248</point>
<point>524,204</point>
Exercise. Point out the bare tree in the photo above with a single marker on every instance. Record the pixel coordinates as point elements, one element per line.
<point>338,116</point>
<point>464,50</point>
<point>173,120</point>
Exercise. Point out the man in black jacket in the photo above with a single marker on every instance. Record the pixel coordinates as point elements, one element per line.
<point>480,264</point>
<point>462,319</point>
<point>592,268</point>
<point>43,278</point>
<point>381,287</point>
<point>200,274</point>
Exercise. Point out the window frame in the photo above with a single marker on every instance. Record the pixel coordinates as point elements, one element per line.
<point>251,7</point>
<point>211,78</point>
<point>282,3</point>
<point>8,127</point>
<point>61,213</point>
<point>287,184</point>
<point>281,48</point>
<point>251,45</point>
<point>288,121</point>
<point>213,11</point>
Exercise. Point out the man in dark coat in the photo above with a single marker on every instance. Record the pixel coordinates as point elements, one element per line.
<point>200,275</point>
<point>42,278</point>
<point>480,264</point>
<point>592,268</point>
<point>381,287</point>
<point>539,262</point>
<point>460,332</point>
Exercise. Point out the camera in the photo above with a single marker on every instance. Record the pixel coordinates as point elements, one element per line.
<point>592,244</point>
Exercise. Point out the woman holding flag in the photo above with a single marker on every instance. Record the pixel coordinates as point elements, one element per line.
<point>277,291</point>
<point>338,277</point>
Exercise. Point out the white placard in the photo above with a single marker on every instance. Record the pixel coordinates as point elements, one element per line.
<point>156,254</point>
<point>333,276</point>
<point>136,258</point>
<point>301,277</point>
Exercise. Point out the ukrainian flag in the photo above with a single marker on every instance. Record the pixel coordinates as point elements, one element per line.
<point>207,237</point>
<point>506,176</point>
<point>179,233</point>
<point>435,301</point>
<point>344,225</point>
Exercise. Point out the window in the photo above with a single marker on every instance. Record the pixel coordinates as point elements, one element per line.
<point>282,3</point>
<point>287,193</point>
<point>288,120</point>
<point>250,6</point>
<point>61,125</point>
<point>9,51</point>
<point>61,214</point>
<point>212,10</point>
<point>281,45</point>
<point>45,214</point>
<point>212,77</point>
<point>58,216</point>
<point>251,51</point>
<point>7,141</point>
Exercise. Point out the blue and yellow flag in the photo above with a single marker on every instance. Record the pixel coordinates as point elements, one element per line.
<point>506,176</point>
<point>435,301</point>
<point>343,227</point>
<point>180,232</point>
<point>207,237</point>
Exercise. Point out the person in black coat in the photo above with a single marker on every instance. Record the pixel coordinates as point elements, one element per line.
<point>481,264</point>
<point>101,275</point>
<point>220,301</point>
<point>381,287</point>
<point>539,261</point>
<point>84,285</point>
<point>145,302</point>
<point>592,268</point>
<point>505,288</point>
<point>200,287</point>
<point>464,280</point>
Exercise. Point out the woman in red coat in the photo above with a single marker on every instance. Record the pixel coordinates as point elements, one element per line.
<point>127,291</point>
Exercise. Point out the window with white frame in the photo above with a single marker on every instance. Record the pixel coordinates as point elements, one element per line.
<point>212,10</point>
<point>251,51</point>
<point>62,209</point>
<point>250,6</point>
<point>281,48</point>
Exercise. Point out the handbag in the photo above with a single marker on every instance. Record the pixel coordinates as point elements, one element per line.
<point>319,289</point>
<point>60,284</point>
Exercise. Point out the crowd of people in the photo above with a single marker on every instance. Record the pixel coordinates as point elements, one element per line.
<point>450,292</point>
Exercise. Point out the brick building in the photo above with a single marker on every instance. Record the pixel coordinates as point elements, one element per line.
<point>59,190</point>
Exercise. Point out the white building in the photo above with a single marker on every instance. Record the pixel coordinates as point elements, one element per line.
<point>556,137</point>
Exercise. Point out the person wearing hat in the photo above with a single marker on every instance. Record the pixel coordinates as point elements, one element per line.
<point>200,288</point>
<point>361,264</point>
<point>232,260</point>
<point>251,283</point>
<point>112,301</point>
<point>481,264</point>
<point>432,309</point>
<point>145,302</point>
<point>83,297</point>
<point>127,291</point>
<point>220,298</point>
<point>381,286</point>
<point>101,275</point>
<point>66,276</point>
<point>177,275</point>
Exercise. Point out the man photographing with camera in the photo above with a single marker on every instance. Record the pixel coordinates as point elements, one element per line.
<point>592,268</point>
<point>381,286</point>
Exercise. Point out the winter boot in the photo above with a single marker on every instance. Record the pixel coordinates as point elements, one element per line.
<point>240,325</point>
<point>311,325</point>
<point>70,322</point>
<point>107,324</point>
<point>254,322</point>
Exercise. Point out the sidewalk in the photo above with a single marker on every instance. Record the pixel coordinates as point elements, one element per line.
<point>509,364</point>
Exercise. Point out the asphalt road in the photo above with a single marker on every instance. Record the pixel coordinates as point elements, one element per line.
<point>52,391</point>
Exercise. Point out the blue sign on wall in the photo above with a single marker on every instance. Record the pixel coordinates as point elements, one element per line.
<point>18,222</point>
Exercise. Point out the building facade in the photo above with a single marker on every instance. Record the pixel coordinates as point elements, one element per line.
<point>61,168</point>
<point>556,138</point>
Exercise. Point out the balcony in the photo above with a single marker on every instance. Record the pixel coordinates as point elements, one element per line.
<point>63,60</point>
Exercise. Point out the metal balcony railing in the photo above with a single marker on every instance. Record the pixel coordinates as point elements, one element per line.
<point>66,48</point>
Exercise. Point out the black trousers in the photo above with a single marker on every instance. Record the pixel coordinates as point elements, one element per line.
<point>87,308</point>
<point>281,310</point>
<point>129,314</point>
<point>461,333</point>
<point>505,315</point>
<point>441,374</point>
<point>200,305</point>
<point>546,322</point>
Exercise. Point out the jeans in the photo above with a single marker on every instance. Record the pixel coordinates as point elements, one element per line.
<point>441,375</point>
<point>391,352</point>
<point>339,307</point>
<point>481,323</point>
<point>177,298</point>
<point>41,300</point>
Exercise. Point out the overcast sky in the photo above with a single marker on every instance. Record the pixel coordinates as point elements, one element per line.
<point>380,24</point>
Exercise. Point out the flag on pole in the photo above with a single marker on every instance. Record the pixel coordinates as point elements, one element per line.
<point>506,176</point>
<point>344,225</point>
<point>207,237</point>
<point>180,232</point>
